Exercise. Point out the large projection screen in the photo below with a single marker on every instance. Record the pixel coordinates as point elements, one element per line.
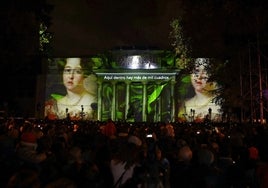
<point>197,94</point>
<point>142,94</point>
<point>71,89</point>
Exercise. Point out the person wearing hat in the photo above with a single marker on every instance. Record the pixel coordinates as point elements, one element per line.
<point>27,149</point>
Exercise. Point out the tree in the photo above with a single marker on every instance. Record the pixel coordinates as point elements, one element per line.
<point>19,51</point>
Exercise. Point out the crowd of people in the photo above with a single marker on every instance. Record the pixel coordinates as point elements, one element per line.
<point>41,153</point>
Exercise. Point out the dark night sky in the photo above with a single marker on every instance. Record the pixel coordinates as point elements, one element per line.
<point>215,27</point>
<point>92,26</point>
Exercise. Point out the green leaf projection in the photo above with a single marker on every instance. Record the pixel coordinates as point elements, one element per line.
<point>97,61</point>
<point>107,97</point>
<point>185,84</point>
<point>135,104</point>
<point>154,95</point>
<point>56,96</point>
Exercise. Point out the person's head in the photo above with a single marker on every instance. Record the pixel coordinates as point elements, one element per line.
<point>185,154</point>
<point>74,72</point>
<point>205,157</point>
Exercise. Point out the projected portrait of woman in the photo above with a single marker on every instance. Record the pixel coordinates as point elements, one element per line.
<point>79,97</point>
<point>201,106</point>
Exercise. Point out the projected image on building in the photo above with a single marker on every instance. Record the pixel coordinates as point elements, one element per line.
<point>197,100</point>
<point>130,85</point>
<point>70,89</point>
<point>136,96</point>
<point>137,89</point>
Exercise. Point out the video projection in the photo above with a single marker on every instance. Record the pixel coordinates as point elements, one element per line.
<point>71,89</point>
<point>137,88</point>
<point>197,94</point>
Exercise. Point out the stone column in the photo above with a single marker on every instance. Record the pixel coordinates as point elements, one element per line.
<point>144,102</point>
<point>99,100</point>
<point>127,98</point>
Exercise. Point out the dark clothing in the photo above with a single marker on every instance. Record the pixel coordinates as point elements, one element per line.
<point>181,175</point>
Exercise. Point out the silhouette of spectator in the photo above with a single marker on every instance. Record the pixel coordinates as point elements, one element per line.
<point>24,178</point>
<point>181,169</point>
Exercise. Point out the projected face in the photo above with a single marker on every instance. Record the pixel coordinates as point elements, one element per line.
<point>199,78</point>
<point>73,75</point>
<point>199,104</point>
<point>73,94</point>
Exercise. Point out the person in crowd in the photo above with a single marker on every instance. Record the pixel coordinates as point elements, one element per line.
<point>7,142</point>
<point>24,178</point>
<point>27,151</point>
<point>79,170</point>
<point>78,103</point>
<point>181,168</point>
<point>109,129</point>
<point>124,162</point>
<point>165,168</point>
<point>61,182</point>
<point>206,173</point>
<point>201,106</point>
<point>262,174</point>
